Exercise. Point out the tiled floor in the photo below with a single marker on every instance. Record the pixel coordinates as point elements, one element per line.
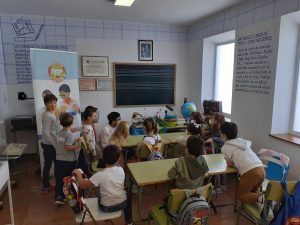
<point>33,208</point>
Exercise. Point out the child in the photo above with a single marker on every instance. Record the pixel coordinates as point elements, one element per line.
<point>50,128</point>
<point>192,129</point>
<point>213,128</point>
<point>119,137</point>
<point>108,130</point>
<point>190,170</point>
<point>151,132</point>
<point>66,157</point>
<point>238,153</point>
<point>214,143</point>
<point>196,118</point>
<point>112,196</point>
<point>89,134</point>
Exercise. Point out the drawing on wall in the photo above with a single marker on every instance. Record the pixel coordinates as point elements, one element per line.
<point>25,31</point>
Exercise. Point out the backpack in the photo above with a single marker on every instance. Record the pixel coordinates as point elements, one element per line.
<point>155,154</point>
<point>73,194</point>
<point>193,210</point>
<point>289,212</point>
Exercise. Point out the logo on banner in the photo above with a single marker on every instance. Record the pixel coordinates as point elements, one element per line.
<point>293,221</point>
<point>57,72</point>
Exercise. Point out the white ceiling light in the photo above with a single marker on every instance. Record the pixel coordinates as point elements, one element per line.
<point>127,3</point>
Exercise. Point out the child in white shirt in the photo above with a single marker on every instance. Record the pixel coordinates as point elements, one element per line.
<point>238,153</point>
<point>151,132</point>
<point>108,130</point>
<point>111,184</point>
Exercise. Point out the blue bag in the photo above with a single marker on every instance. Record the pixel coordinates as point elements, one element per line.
<point>289,212</point>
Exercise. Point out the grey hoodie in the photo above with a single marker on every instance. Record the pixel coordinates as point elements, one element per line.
<point>239,151</point>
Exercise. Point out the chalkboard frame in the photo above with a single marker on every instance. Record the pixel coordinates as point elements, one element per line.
<point>146,64</point>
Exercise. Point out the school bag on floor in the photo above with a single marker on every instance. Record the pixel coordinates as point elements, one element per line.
<point>289,212</point>
<point>193,210</point>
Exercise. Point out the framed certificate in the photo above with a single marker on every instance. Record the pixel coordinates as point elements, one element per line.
<point>104,84</point>
<point>87,85</point>
<point>95,66</point>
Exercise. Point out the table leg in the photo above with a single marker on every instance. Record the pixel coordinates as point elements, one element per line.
<point>139,193</point>
<point>10,203</point>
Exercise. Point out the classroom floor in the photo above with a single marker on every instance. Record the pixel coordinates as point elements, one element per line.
<point>33,208</point>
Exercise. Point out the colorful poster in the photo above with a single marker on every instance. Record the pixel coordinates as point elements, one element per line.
<point>55,72</point>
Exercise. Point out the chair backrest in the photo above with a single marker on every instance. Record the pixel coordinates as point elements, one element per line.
<point>144,150</point>
<point>275,168</point>
<point>84,148</point>
<point>275,191</point>
<point>85,152</point>
<point>177,196</point>
<point>177,150</point>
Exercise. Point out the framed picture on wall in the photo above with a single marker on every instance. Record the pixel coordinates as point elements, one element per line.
<point>104,84</point>
<point>145,50</point>
<point>87,85</point>
<point>95,66</point>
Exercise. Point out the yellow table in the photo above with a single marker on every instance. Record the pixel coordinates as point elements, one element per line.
<point>154,172</point>
<point>133,141</point>
<point>167,138</point>
<point>217,165</point>
<point>172,137</point>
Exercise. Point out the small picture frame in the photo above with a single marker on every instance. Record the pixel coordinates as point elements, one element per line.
<point>87,85</point>
<point>95,66</point>
<point>104,84</point>
<point>145,48</point>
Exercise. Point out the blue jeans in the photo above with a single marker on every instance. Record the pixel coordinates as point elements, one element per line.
<point>126,206</point>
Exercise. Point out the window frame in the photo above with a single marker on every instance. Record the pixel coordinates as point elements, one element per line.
<point>215,71</point>
<point>296,87</point>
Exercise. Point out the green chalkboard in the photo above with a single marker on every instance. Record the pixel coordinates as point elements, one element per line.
<point>144,84</point>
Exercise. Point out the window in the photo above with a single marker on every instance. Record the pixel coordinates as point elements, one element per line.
<point>296,121</point>
<point>224,75</point>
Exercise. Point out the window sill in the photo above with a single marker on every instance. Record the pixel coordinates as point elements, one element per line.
<point>291,138</point>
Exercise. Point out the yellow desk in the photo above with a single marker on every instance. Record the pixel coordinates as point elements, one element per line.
<point>133,141</point>
<point>172,137</point>
<point>154,172</point>
<point>217,165</point>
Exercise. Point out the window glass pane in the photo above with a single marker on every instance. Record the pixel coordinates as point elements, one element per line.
<point>296,124</point>
<point>224,75</point>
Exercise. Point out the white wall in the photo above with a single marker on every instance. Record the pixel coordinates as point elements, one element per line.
<point>126,51</point>
<point>253,112</point>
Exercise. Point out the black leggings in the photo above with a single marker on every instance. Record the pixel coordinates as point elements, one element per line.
<point>49,157</point>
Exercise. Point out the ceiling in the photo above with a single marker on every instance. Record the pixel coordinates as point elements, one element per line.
<point>176,12</point>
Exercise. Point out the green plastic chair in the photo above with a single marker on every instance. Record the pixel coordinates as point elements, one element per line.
<point>144,150</point>
<point>262,214</point>
<point>159,214</point>
<point>92,166</point>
